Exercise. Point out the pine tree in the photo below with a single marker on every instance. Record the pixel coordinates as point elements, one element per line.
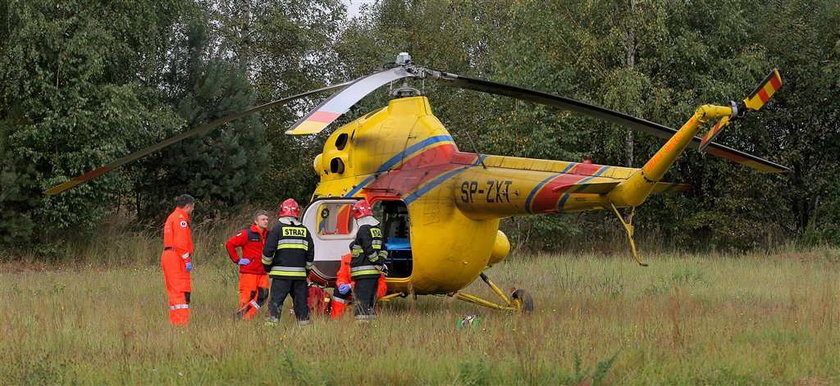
<point>221,168</point>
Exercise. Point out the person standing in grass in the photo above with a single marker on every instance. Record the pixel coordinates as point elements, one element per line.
<point>368,258</point>
<point>176,260</point>
<point>344,284</point>
<point>288,255</point>
<point>253,280</point>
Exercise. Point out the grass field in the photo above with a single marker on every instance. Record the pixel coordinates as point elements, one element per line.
<point>685,319</point>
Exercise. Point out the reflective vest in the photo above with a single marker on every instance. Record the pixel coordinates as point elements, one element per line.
<point>289,251</point>
<point>368,252</point>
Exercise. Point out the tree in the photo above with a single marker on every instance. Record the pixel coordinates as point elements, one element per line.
<point>651,59</point>
<point>286,48</point>
<point>69,106</point>
<point>220,168</point>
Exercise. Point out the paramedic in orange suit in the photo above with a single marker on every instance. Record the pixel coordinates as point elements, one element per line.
<point>253,280</point>
<point>176,259</point>
<point>343,283</point>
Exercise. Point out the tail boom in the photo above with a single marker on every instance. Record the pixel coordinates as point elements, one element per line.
<point>511,186</point>
<point>635,190</point>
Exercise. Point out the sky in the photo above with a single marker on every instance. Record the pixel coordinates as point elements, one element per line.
<point>353,6</point>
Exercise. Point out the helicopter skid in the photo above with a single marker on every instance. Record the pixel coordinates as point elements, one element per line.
<point>486,303</point>
<point>388,297</point>
<point>513,303</point>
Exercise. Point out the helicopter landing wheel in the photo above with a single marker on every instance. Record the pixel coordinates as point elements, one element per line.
<point>518,301</point>
<point>523,301</point>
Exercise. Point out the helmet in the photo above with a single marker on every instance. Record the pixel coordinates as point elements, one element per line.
<point>361,209</point>
<point>289,208</point>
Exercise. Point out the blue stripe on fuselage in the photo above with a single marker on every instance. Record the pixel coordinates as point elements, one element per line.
<point>439,180</point>
<point>540,185</point>
<point>397,158</point>
<point>583,182</point>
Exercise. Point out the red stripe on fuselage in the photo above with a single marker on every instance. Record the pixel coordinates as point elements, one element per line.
<point>545,201</point>
<point>419,169</point>
<point>585,169</point>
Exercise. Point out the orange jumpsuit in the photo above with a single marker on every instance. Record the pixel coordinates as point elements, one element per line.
<point>253,281</point>
<point>177,252</point>
<point>339,302</point>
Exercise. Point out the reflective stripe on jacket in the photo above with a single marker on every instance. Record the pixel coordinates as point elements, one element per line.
<point>367,251</point>
<point>278,270</point>
<point>344,277</point>
<point>289,250</point>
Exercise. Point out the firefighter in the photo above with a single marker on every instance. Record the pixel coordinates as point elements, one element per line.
<point>253,280</point>
<point>176,259</point>
<point>287,257</point>
<point>368,257</point>
<point>344,287</point>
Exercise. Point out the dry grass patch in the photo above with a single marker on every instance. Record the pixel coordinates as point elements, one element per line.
<point>686,319</point>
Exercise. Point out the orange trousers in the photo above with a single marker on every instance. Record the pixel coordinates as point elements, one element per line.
<point>253,291</point>
<point>178,287</point>
<point>339,304</point>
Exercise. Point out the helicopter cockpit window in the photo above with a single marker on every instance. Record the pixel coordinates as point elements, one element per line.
<point>341,141</point>
<point>334,219</point>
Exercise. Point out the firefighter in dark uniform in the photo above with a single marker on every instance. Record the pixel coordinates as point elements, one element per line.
<point>287,257</point>
<point>367,261</point>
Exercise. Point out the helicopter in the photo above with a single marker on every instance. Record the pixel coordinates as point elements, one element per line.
<point>426,191</point>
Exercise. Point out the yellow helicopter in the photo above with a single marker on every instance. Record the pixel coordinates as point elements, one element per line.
<point>440,207</point>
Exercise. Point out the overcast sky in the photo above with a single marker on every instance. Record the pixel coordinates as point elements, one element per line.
<point>353,6</point>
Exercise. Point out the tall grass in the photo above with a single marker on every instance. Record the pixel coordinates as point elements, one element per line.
<point>685,319</point>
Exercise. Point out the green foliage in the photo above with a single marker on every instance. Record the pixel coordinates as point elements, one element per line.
<point>285,48</point>
<point>654,59</point>
<point>15,225</point>
<point>221,168</point>
<point>69,106</point>
<point>84,84</point>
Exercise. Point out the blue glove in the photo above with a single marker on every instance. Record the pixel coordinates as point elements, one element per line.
<point>244,261</point>
<point>189,267</point>
<point>344,289</point>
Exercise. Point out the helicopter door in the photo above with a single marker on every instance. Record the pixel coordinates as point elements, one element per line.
<point>395,225</point>
<point>332,229</point>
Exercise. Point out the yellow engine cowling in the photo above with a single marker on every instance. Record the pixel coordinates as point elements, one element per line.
<point>501,248</point>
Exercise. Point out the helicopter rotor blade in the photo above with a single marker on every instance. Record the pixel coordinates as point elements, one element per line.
<point>180,137</point>
<point>556,101</point>
<point>336,105</point>
<point>599,112</point>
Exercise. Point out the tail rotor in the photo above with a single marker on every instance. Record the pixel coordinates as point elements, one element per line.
<point>757,99</point>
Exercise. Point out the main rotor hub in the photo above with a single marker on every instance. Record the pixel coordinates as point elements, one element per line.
<point>405,91</point>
